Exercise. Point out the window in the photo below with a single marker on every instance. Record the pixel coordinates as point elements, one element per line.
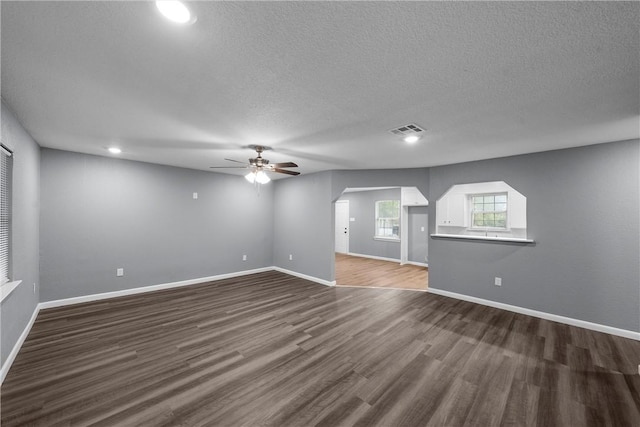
<point>489,210</point>
<point>388,219</point>
<point>5,212</point>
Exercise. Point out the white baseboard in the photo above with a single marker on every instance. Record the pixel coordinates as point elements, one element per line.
<point>419,264</point>
<point>304,276</point>
<point>380,258</point>
<point>18,345</point>
<point>541,314</point>
<point>150,288</point>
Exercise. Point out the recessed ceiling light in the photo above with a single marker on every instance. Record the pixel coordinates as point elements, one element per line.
<point>411,139</point>
<point>174,10</point>
<point>115,150</point>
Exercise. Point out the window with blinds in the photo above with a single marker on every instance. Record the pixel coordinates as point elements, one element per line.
<point>5,212</point>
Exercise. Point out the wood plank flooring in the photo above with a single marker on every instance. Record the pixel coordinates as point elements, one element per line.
<point>367,272</point>
<point>274,350</point>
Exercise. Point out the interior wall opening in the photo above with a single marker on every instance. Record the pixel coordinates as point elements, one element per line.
<point>381,238</point>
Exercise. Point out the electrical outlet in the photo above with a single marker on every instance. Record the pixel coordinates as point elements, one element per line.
<point>195,196</point>
<point>498,281</point>
<point>120,272</point>
<point>244,257</point>
<point>290,257</point>
<point>421,228</point>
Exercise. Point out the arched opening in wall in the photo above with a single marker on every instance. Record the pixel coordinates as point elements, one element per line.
<point>381,238</point>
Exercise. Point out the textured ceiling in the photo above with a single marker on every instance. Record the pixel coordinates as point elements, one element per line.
<point>323,82</point>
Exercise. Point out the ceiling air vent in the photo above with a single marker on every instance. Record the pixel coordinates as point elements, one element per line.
<point>408,130</point>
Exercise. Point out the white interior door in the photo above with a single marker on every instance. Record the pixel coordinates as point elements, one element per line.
<point>342,226</point>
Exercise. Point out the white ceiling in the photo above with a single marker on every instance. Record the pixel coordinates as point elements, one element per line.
<point>323,82</point>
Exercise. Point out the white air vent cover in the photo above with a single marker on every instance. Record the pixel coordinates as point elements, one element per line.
<point>408,130</point>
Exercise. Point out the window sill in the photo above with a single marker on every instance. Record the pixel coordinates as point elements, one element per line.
<point>386,239</point>
<point>488,230</point>
<point>484,238</point>
<point>7,288</point>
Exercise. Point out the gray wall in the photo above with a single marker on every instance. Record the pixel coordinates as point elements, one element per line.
<point>302,225</point>
<point>100,213</point>
<point>16,310</point>
<point>418,239</point>
<point>582,211</point>
<point>362,207</point>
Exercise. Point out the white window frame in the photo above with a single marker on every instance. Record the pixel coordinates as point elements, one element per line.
<point>5,214</point>
<point>377,219</point>
<point>6,171</point>
<point>472,211</point>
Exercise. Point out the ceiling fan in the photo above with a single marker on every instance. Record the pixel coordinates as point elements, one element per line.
<point>260,165</point>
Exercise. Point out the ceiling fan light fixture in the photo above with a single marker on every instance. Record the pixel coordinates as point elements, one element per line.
<point>262,177</point>
<point>259,177</point>
<point>260,166</point>
<point>114,150</point>
<point>174,10</point>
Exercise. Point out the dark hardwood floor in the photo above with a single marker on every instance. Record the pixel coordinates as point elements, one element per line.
<point>373,273</point>
<point>274,350</point>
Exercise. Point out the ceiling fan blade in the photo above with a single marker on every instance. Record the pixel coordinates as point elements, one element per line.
<point>237,161</point>
<point>285,171</point>
<point>284,165</point>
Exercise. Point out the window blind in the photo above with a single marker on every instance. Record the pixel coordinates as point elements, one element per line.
<point>5,211</point>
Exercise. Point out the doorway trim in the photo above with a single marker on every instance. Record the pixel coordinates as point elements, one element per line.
<point>409,196</point>
<point>343,203</point>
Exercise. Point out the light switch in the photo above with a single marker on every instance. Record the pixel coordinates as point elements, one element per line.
<point>421,228</point>
<point>195,196</point>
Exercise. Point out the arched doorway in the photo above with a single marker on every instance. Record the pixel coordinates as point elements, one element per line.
<point>385,233</point>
